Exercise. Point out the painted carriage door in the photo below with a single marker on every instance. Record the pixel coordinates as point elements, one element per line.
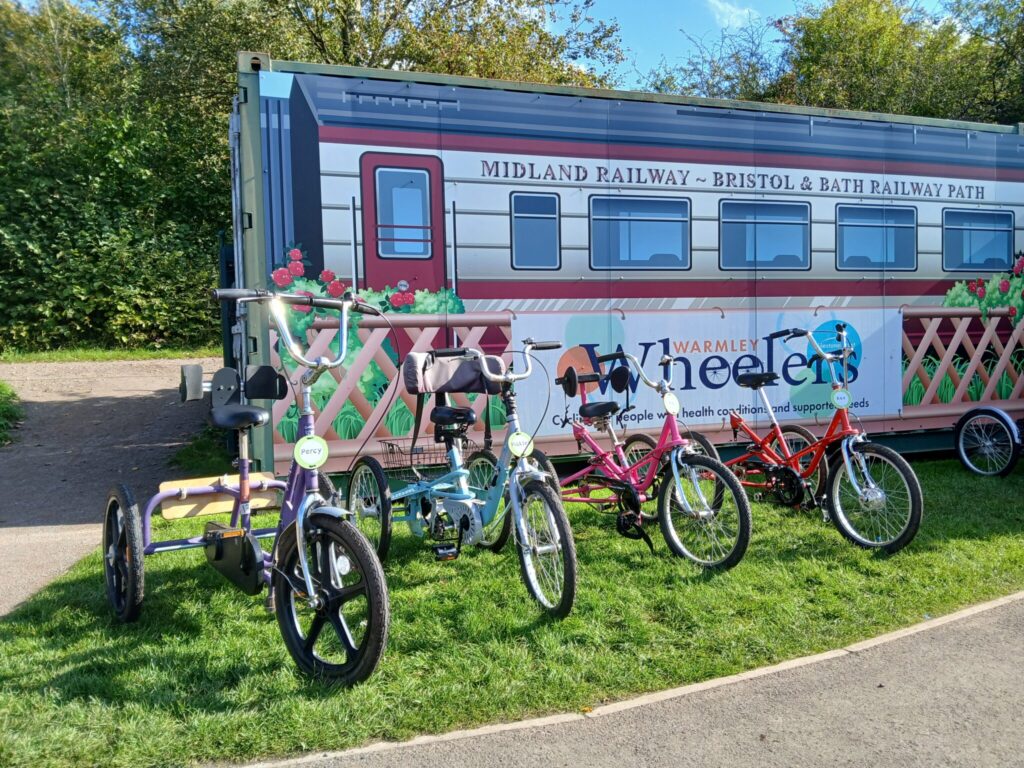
<point>403,221</point>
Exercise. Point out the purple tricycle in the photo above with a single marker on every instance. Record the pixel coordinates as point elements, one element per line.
<point>321,571</point>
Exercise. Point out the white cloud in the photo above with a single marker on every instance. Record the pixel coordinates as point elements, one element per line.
<point>729,15</point>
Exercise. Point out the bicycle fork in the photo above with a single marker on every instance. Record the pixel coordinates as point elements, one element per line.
<point>706,511</point>
<point>521,474</point>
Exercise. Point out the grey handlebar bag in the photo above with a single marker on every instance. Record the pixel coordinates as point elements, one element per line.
<point>425,374</point>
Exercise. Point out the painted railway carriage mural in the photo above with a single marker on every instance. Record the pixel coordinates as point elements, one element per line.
<point>482,212</point>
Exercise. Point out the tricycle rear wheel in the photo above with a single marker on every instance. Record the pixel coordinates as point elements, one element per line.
<point>123,554</point>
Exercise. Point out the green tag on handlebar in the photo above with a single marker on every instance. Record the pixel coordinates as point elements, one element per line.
<point>520,444</point>
<point>311,452</point>
<point>841,398</point>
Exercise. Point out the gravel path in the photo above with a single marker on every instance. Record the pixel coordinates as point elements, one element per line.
<point>87,425</point>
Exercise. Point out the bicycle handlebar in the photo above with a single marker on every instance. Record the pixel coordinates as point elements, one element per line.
<point>277,302</point>
<point>508,377</point>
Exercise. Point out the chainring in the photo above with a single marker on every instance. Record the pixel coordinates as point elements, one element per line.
<point>786,485</point>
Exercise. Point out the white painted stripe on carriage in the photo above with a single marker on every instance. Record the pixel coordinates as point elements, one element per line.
<point>652,698</point>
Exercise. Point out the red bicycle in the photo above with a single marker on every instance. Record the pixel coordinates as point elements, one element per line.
<point>871,494</point>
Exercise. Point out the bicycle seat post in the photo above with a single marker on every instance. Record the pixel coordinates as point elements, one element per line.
<point>767,405</point>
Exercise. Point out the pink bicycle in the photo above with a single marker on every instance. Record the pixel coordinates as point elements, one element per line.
<point>701,507</point>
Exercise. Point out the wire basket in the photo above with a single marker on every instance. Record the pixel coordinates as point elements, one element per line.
<point>428,459</point>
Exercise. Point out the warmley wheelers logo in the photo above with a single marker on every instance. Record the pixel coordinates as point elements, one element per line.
<point>714,363</point>
<point>711,350</point>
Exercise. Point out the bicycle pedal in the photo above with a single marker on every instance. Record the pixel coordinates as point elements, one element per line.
<point>443,552</point>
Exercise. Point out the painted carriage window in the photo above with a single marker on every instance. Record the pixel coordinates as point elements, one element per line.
<point>873,237</point>
<point>765,235</point>
<point>403,213</point>
<point>535,238</point>
<point>973,240</point>
<point>639,233</point>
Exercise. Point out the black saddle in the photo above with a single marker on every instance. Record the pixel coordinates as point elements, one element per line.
<point>448,416</point>
<point>599,409</point>
<point>756,380</point>
<point>237,416</point>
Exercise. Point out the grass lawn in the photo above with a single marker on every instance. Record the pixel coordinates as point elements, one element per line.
<point>204,676</point>
<point>10,412</point>
<point>85,354</point>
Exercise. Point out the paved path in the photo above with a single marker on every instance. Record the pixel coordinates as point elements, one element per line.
<point>87,425</point>
<point>949,695</point>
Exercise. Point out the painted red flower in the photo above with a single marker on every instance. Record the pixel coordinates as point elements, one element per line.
<point>326,276</point>
<point>410,298</point>
<point>335,289</point>
<point>1012,311</point>
<point>297,269</point>
<point>972,287</point>
<point>981,292</point>
<point>1019,266</point>
<point>1004,286</point>
<point>396,300</point>
<point>295,254</point>
<point>281,277</point>
<point>300,307</point>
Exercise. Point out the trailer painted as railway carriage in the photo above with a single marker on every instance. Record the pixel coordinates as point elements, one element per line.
<point>562,203</point>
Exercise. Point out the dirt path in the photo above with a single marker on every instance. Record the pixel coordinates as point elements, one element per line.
<point>87,426</point>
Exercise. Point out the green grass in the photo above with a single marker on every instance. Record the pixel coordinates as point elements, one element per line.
<point>203,676</point>
<point>205,455</point>
<point>10,412</point>
<point>88,354</point>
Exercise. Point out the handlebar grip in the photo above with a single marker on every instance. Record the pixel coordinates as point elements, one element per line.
<point>234,294</point>
<point>780,334</point>
<point>588,378</point>
<point>542,345</point>
<point>457,352</point>
<point>611,356</point>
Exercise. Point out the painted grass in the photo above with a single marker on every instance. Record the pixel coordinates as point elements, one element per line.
<point>10,412</point>
<point>203,675</point>
<point>87,354</point>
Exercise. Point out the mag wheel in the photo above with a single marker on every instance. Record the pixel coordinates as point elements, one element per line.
<point>369,502</point>
<point>987,442</point>
<point>880,507</point>
<point>483,472</point>
<point>341,639</point>
<point>705,516</point>
<point>797,439</point>
<point>547,553</point>
<point>123,554</point>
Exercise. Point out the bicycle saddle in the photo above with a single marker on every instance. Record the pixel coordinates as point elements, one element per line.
<point>599,409</point>
<point>756,380</point>
<point>447,415</point>
<point>237,416</point>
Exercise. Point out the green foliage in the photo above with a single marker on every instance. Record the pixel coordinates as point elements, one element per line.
<point>875,55</point>
<point>114,175</point>
<point>10,412</point>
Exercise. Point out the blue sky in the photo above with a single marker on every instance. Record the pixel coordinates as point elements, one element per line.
<point>650,29</point>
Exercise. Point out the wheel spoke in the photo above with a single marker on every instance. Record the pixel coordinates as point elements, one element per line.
<point>315,628</point>
<point>342,631</point>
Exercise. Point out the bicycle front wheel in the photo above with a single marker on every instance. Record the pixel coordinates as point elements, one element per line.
<point>341,639</point>
<point>547,553</point>
<point>705,516</point>
<point>881,506</point>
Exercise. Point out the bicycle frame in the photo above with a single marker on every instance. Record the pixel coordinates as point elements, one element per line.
<point>454,484</point>
<point>839,429</point>
<point>614,465</point>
